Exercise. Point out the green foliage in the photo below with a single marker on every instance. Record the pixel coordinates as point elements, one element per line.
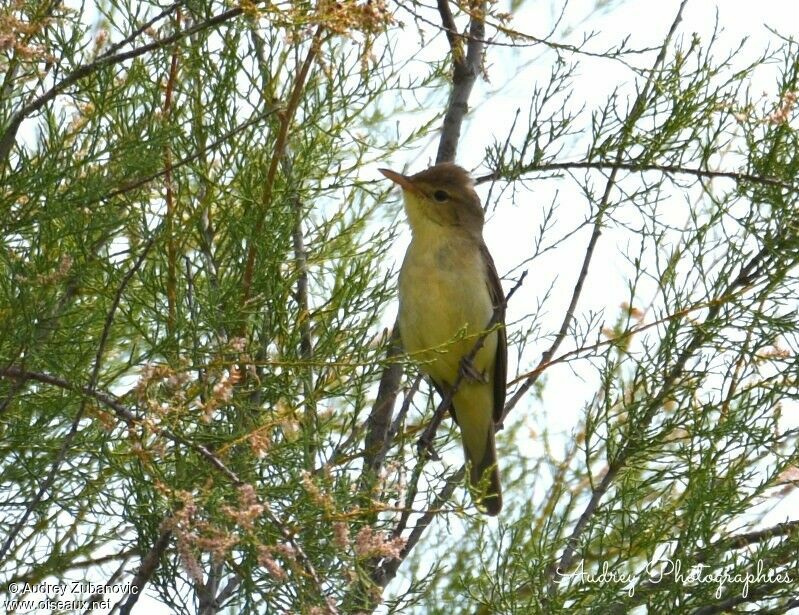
<point>194,283</point>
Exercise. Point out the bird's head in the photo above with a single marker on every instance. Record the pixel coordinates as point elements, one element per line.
<point>441,196</point>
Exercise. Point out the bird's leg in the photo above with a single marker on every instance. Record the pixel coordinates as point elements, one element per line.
<point>468,370</point>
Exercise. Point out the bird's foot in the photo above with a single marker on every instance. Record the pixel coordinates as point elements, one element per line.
<point>468,370</point>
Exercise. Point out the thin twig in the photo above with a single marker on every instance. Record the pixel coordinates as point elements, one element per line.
<point>638,167</point>
<point>576,352</point>
<point>534,41</point>
<point>141,29</point>
<point>739,541</point>
<point>171,249</point>
<point>97,597</point>
<point>286,117</point>
<point>501,158</point>
<point>310,422</point>
<point>47,324</point>
<point>754,594</point>
<point>600,490</point>
<point>113,402</point>
<point>179,163</point>
<point>388,570</point>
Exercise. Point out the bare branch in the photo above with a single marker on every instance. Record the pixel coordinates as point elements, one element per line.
<point>148,565</point>
<point>464,73</point>
<point>636,167</point>
<point>377,425</point>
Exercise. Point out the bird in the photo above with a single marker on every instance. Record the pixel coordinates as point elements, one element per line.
<point>449,291</point>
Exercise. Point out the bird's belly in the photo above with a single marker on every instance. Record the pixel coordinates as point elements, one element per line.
<point>443,309</point>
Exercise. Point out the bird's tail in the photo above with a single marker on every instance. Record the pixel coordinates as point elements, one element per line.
<point>484,476</point>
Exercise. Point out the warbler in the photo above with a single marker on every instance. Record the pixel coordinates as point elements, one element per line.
<point>449,291</point>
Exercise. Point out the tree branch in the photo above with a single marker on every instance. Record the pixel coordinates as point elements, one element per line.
<point>464,73</point>
<point>637,167</point>
<point>701,334</point>
<point>388,570</point>
<point>73,431</point>
<point>169,197</point>
<point>286,117</point>
<point>137,183</point>
<point>148,565</point>
<point>378,434</point>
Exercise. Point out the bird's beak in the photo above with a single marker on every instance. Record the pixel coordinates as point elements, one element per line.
<point>403,181</point>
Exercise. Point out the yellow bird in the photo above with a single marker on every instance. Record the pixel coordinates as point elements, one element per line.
<point>448,292</point>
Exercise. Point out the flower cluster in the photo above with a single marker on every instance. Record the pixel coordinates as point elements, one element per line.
<point>193,533</point>
<point>266,560</point>
<point>16,34</point>
<point>259,442</point>
<point>341,535</point>
<point>346,16</point>
<point>318,497</point>
<point>161,389</point>
<point>783,112</point>
<point>64,267</point>
<point>221,393</point>
<point>371,543</point>
<point>248,510</point>
<point>179,524</point>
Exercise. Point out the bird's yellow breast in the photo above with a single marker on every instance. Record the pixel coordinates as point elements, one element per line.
<point>444,303</point>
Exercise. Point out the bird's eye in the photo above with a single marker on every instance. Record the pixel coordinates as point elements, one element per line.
<point>440,196</point>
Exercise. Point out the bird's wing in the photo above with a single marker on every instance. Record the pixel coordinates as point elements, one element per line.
<point>501,361</point>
